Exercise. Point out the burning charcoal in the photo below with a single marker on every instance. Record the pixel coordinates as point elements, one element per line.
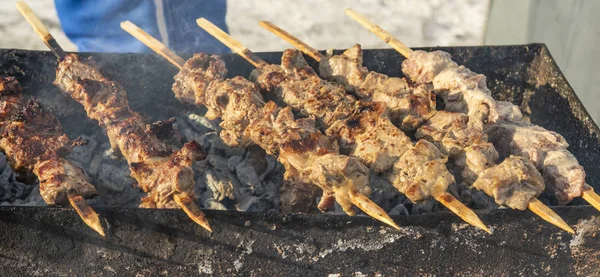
<point>480,201</point>
<point>255,204</point>
<point>114,176</point>
<point>83,155</point>
<point>233,162</point>
<point>400,209</point>
<point>271,164</point>
<point>34,198</point>
<point>246,173</point>
<point>213,204</point>
<point>218,161</point>
<point>220,186</point>
<point>203,124</point>
<point>11,189</point>
<point>220,148</point>
<point>271,191</point>
<point>426,207</point>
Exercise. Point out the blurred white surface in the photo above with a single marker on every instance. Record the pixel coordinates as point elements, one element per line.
<point>322,23</point>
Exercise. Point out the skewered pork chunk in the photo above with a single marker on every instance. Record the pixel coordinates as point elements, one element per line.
<point>408,104</point>
<point>307,155</point>
<point>503,121</point>
<point>513,183</point>
<point>164,173</point>
<point>547,150</point>
<point>468,146</point>
<point>363,129</point>
<point>461,89</point>
<point>34,142</point>
<point>451,132</point>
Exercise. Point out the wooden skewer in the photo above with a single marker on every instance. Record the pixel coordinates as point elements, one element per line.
<point>86,212</point>
<point>305,48</point>
<point>233,44</point>
<point>188,205</point>
<point>591,197</point>
<point>461,210</point>
<point>40,29</point>
<point>89,216</point>
<point>83,209</point>
<point>372,209</point>
<point>535,205</point>
<point>549,215</point>
<point>381,33</point>
<point>153,43</point>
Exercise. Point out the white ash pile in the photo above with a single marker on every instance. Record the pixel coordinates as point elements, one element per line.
<point>242,179</point>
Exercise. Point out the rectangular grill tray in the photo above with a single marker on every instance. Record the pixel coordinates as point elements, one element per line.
<point>53,241</point>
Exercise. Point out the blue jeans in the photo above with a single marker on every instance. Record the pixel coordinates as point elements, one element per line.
<point>93,25</point>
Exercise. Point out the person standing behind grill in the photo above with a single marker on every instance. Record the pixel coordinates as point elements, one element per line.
<point>94,25</point>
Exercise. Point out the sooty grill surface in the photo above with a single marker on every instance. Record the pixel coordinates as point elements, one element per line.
<point>53,241</point>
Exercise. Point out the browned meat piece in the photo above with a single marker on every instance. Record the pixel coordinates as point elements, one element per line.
<point>409,105</point>
<point>346,69</point>
<point>161,171</point>
<point>461,89</point>
<point>422,67</point>
<point>370,136</point>
<point>34,142</point>
<point>307,155</point>
<point>466,92</point>
<point>513,183</point>
<point>421,172</point>
<point>298,197</point>
<point>547,150</point>
<point>468,146</point>
<point>223,99</point>
<point>362,128</point>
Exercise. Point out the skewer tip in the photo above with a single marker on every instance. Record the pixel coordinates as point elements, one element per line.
<point>372,209</point>
<point>591,196</point>
<point>86,212</point>
<point>461,210</point>
<point>547,214</point>
<point>192,210</point>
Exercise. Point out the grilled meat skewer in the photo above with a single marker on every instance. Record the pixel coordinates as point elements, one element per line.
<point>305,152</point>
<point>465,145</point>
<point>502,122</point>
<point>451,132</point>
<point>329,108</point>
<point>467,92</point>
<point>308,156</point>
<point>163,172</point>
<point>34,142</point>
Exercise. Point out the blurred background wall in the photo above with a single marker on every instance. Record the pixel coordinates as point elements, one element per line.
<point>570,28</point>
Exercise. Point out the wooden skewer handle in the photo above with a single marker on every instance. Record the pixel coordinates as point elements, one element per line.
<point>233,44</point>
<point>381,33</point>
<point>40,29</point>
<point>152,43</point>
<point>305,48</point>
